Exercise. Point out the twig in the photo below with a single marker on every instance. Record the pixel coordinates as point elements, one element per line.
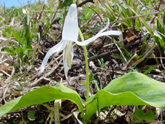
<point>157,8</point>
<point>54,15</point>
<point>97,14</point>
<point>84,2</point>
<point>41,12</point>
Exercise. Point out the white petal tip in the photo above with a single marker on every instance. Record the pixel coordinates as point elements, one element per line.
<point>118,32</point>
<point>114,32</point>
<point>66,75</point>
<point>73,5</point>
<point>40,69</point>
<point>40,72</point>
<point>66,69</point>
<point>111,32</point>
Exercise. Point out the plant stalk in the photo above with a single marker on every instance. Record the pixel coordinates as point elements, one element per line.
<point>86,66</point>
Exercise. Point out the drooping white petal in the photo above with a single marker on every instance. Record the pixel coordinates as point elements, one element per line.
<point>57,48</point>
<point>106,33</point>
<point>67,57</point>
<point>70,28</point>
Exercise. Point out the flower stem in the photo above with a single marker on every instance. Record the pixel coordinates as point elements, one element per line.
<point>86,66</point>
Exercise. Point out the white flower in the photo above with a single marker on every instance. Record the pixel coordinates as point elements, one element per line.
<point>70,35</point>
<point>24,11</point>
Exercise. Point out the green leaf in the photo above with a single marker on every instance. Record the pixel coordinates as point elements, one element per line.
<point>150,69</point>
<point>8,50</point>
<point>83,82</point>
<point>17,35</point>
<point>125,50</point>
<point>96,85</point>
<point>41,121</point>
<point>31,115</point>
<point>91,77</point>
<point>149,115</point>
<point>139,114</point>
<point>66,3</point>
<point>131,89</point>
<point>42,95</point>
<point>20,50</point>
